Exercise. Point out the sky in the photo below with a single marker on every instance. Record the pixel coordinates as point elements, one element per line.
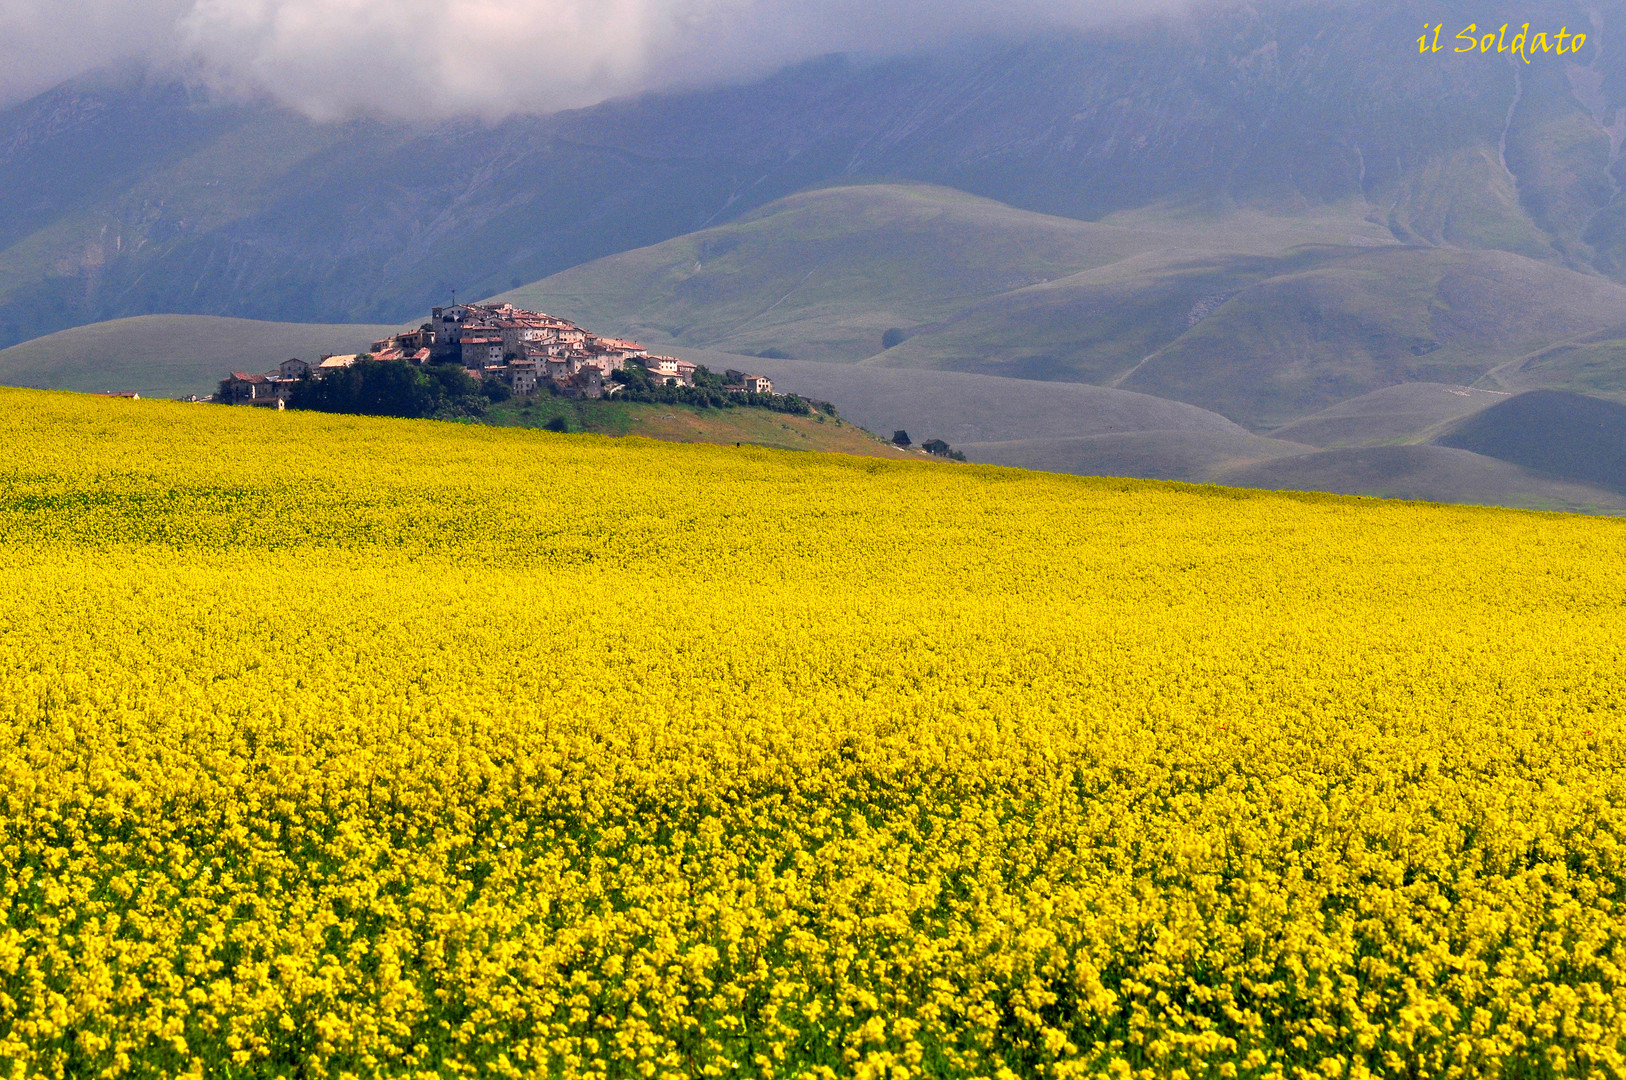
<point>432,58</point>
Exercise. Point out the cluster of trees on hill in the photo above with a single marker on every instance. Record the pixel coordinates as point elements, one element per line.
<point>396,388</point>
<point>708,393</point>
<point>372,387</point>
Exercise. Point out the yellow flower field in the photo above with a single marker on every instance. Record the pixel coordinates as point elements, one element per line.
<point>339,747</point>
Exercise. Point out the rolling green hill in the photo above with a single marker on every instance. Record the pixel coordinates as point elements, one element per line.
<point>170,355</point>
<point>823,275</point>
<point>1568,436</point>
<point>1429,473</point>
<point>966,408</point>
<point>1195,456</point>
<point>1265,319</point>
<point>687,423</point>
<point>1404,413</point>
<point>1590,364</point>
<point>1359,321</point>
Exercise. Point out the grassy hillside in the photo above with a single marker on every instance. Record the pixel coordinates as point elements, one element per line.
<point>170,355</point>
<point>1264,318</point>
<point>1591,364</point>
<point>1431,473</point>
<point>1559,434</point>
<point>962,407</point>
<point>1299,341</point>
<point>343,746</point>
<point>1406,413</point>
<point>825,274</point>
<point>1196,456</point>
<point>687,423</point>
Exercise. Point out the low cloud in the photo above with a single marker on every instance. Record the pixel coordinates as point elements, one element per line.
<point>426,58</point>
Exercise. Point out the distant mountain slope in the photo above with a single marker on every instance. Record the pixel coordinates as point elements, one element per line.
<point>1265,319</point>
<point>1268,339</point>
<point>1405,413</point>
<point>170,355</point>
<point>1592,364</point>
<point>1195,456</point>
<point>1429,473</point>
<point>1358,321</point>
<point>823,275</point>
<point>120,198</point>
<point>1564,435</point>
<point>967,408</point>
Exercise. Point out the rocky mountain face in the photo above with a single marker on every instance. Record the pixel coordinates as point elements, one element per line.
<point>122,196</point>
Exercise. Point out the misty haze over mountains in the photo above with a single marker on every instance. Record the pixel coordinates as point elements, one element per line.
<point>123,199</point>
<point>492,58</point>
<point>1278,207</point>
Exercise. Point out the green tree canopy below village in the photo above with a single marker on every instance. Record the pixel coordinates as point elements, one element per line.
<point>396,388</point>
<point>708,391</point>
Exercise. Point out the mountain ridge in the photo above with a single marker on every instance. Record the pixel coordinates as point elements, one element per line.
<point>139,197</point>
<point>1263,320</point>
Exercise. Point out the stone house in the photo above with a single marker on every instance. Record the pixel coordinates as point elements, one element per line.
<point>265,390</point>
<point>481,349</point>
<point>327,365</point>
<point>524,375</point>
<point>670,371</point>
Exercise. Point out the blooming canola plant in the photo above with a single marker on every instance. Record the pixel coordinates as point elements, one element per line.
<point>684,760</point>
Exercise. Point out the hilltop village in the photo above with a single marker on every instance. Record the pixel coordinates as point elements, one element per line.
<point>527,351</point>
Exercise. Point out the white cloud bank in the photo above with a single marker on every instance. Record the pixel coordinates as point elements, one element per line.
<point>420,58</point>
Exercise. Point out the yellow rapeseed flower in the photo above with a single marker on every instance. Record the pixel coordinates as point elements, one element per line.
<point>360,748</point>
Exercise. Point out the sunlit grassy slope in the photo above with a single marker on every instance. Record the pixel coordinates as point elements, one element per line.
<point>342,746</point>
<point>823,274</point>
<point>688,423</point>
<point>1265,318</point>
